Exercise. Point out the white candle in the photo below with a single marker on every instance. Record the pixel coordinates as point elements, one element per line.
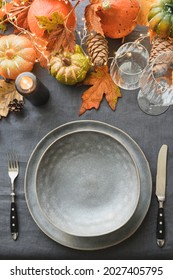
<point>26,83</point>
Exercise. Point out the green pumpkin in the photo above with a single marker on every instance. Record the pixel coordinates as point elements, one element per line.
<point>70,68</point>
<point>160,18</point>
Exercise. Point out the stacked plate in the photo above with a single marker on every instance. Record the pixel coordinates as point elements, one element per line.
<point>88,185</point>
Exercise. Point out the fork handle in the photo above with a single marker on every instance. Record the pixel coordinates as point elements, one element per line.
<point>14,221</point>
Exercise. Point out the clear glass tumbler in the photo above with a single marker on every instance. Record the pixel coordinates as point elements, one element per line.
<point>156,83</point>
<point>128,65</point>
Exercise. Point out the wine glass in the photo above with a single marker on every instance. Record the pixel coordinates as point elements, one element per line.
<point>128,64</point>
<point>156,83</point>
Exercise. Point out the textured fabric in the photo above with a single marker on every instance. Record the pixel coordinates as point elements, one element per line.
<point>22,131</point>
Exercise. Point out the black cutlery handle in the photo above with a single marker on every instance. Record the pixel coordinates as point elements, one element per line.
<point>14,221</point>
<point>160,227</point>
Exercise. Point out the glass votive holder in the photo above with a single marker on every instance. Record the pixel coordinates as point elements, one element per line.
<point>128,64</point>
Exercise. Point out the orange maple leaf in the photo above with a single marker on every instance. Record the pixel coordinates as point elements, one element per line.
<point>102,84</point>
<point>92,19</point>
<point>61,38</point>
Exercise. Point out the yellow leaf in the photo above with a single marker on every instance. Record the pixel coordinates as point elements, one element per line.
<point>50,24</point>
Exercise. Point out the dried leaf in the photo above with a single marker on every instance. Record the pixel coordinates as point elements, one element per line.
<point>21,19</point>
<point>43,57</point>
<point>40,46</point>
<point>17,11</point>
<point>61,38</point>
<point>3,11</point>
<point>101,84</point>
<point>142,18</point>
<point>7,94</point>
<point>51,23</point>
<point>92,19</point>
<point>56,32</point>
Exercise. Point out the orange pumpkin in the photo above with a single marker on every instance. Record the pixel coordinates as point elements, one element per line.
<point>118,17</point>
<point>46,8</point>
<point>17,55</point>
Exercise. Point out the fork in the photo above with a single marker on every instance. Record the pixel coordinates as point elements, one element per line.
<point>13,171</point>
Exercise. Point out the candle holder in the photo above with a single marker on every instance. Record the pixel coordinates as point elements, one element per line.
<point>30,87</point>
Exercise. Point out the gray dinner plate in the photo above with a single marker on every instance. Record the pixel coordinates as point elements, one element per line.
<point>89,242</point>
<point>87,183</point>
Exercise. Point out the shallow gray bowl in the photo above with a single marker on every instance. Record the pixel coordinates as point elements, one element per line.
<point>87,183</point>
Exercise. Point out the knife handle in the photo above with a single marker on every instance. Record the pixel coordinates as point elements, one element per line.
<point>14,221</point>
<point>160,227</point>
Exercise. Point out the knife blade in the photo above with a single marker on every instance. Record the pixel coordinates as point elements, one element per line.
<point>160,193</point>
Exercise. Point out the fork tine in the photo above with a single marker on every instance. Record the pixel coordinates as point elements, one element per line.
<point>12,160</point>
<point>9,159</point>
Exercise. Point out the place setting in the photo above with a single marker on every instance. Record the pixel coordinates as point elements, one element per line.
<point>84,196</point>
<point>88,184</point>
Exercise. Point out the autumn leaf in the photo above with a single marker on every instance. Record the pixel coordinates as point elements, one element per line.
<point>16,11</point>
<point>19,12</point>
<point>58,35</point>
<point>4,7</point>
<point>142,18</point>
<point>92,19</point>
<point>7,94</point>
<point>21,19</point>
<point>51,23</point>
<point>40,46</point>
<point>61,38</point>
<point>101,84</point>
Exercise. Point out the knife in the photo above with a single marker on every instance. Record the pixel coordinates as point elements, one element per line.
<point>160,193</point>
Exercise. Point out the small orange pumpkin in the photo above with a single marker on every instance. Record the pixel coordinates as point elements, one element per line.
<point>47,8</point>
<point>16,56</point>
<point>118,17</point>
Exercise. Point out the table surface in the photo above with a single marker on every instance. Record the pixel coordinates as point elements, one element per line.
<point>22,131</point>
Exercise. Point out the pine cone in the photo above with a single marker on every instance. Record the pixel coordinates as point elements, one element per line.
<point>97,48</point>
<point>16,105</point>
<point>160,45</point>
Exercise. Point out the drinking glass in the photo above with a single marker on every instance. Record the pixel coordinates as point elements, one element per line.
<point>156,83</point>
<point>128,64</point>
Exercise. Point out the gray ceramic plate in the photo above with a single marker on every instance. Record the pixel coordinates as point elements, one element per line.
<point>102,241</point>
<point>87,183</point>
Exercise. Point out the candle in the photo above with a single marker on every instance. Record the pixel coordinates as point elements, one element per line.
<point>29,86</point>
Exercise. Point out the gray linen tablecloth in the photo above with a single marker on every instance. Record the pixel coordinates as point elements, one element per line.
<point>22,131</point>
